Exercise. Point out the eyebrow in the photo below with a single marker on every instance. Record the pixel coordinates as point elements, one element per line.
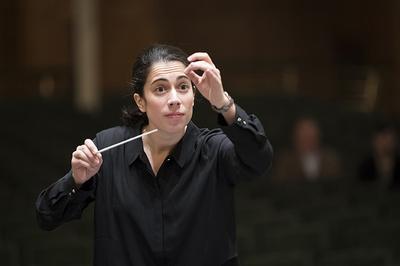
<point>164,79</point>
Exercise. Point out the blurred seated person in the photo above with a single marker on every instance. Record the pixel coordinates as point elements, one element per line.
<point>308,160</point>
<point>383,163</point>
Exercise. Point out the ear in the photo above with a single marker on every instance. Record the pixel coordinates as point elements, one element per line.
<point>139,102</point>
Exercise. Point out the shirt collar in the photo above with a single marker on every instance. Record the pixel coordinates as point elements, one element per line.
<point>134,148</point>
<point>181,153</point>
<point>184,149</point>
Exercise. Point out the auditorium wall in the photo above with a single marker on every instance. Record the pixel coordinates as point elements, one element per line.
<point>268,47</point>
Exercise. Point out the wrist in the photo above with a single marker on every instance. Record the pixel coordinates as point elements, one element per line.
<point>77,182</point>
<point>224,107</point>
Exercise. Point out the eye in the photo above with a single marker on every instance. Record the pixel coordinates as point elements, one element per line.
<point>184,86</point>
<point>159,90</point>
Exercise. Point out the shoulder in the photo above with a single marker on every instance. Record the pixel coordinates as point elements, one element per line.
<point>203,135</point>
<point>205,139</point>
<point>207,134</point>
<point>112,135</point>
<point>116,132</point>
<point>210,136</point>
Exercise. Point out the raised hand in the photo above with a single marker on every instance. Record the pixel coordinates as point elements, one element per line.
<point>86,161</point>
<point>209,83</point>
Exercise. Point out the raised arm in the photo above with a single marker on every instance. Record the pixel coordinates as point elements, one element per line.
<point>245,150</point>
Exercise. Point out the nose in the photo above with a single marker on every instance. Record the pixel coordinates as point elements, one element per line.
<point>174,99</point>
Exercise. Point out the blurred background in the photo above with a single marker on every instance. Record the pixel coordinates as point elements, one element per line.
<point>321,75</point>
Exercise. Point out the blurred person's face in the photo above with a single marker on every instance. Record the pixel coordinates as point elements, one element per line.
<point>384,143</point>
<point>168,97</point>
<point>306,136</point>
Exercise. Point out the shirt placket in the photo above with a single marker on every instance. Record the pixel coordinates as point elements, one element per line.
<point>160,212</point>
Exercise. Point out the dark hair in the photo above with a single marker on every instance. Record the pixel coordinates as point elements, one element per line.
<point>131,116</point>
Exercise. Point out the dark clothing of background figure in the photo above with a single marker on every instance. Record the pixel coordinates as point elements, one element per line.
<point>368,171</point>
<point>182,216</point>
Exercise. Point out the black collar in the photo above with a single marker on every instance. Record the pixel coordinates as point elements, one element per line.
<point>181,153</point>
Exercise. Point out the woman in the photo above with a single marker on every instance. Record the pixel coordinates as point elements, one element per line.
<point>165,199</point>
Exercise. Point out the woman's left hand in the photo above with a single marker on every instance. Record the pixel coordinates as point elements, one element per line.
<point>209,83</point>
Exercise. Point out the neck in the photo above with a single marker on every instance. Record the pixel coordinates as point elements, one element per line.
<point>157,146</point>
<point>161,142</point>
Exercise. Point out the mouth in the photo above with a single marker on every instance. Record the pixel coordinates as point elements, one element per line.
<point>175,115</point>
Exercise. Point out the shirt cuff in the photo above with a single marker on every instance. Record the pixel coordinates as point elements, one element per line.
<point>78,194</point>
<point>241,118</point>
<point>61,188</point>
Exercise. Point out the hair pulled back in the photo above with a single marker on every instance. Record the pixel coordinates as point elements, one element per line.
<point>131,116</point>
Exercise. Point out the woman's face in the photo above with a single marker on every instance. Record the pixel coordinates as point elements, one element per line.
<point>168,97</point>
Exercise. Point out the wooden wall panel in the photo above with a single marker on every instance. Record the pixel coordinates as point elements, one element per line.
<point>255,42</point>
<point>45,33</point>
<point>126,28</point>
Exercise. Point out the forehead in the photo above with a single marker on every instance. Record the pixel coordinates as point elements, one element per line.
<point>166,70</point>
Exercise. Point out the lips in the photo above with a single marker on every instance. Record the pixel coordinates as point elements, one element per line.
<point>175,115</point>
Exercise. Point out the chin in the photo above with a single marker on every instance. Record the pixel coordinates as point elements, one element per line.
<point>174,128</point>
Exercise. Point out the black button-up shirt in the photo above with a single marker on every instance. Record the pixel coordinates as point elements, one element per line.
<point>183,216</point>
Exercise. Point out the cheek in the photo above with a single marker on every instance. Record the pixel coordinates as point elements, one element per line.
<point>190,108</point>
<point>189,103</point>
<point>154,106</point>
<point>189,99</point>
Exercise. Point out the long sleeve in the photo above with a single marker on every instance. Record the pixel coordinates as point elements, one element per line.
<point>62,201</point>
<point>246,152</point>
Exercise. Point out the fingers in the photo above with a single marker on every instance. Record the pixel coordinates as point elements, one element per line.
<point>194,77</point>
<point>200,56</point>
<point>199,65</point>
<point>80,163</point>
<point>92,147</point>
<point>200,61</point>
<point>205,67</point>
<point>213,76</point>
<point>79,155</point>
<point>88,153</point>
<point>209,82</point>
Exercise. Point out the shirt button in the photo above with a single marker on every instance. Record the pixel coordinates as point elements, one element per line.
<point>168,159</point>
<point>239,119</point>
<point>72,192</point>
